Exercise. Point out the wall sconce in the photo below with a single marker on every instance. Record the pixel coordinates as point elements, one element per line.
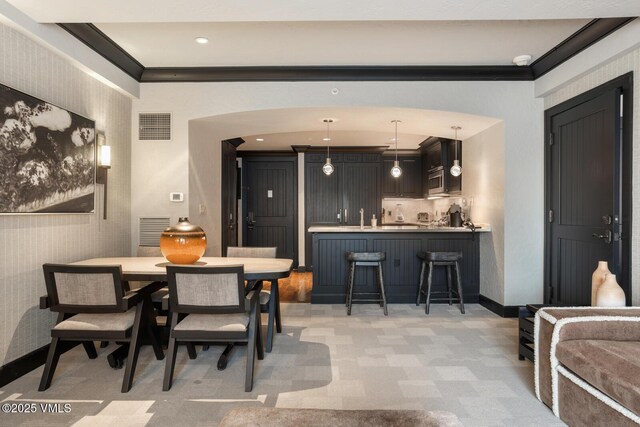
<point>104,164</point>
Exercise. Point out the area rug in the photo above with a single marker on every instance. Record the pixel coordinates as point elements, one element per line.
<point>336,418</point>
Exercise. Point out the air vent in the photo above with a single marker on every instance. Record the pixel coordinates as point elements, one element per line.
<point>150,230</point>
<point>154,127</point>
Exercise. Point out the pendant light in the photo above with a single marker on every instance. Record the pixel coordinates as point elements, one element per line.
<point>396,171</point>
<point>328,167</point>
<point>456,169</point>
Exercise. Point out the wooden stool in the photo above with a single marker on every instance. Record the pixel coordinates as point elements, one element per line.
<point>366,259</point>
<point>437,259</point>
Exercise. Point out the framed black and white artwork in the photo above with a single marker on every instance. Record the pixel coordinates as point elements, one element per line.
<point>47,157</point>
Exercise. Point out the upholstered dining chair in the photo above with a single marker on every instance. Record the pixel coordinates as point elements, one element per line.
<point>269,300</point>
<point>209,304</point>
<point>93,305</point>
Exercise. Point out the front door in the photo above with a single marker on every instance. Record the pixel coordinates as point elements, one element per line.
<point>270,194</point>
<point>585,195</point>
<point>229,205</point>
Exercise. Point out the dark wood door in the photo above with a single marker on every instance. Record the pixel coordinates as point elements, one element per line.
<point>229,226</point>
<point>360,190</point>
<point>584,188</point>
<point>270,192</point>
<point>410,182</point>
<point>389,183</point>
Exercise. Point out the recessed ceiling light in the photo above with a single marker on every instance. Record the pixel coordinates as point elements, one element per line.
<point>202,40</point>
<point>259,139</point>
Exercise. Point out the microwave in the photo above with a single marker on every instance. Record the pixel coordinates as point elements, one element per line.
<point>435,181</point>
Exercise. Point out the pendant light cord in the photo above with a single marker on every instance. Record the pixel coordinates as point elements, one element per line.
<point>396,123</point>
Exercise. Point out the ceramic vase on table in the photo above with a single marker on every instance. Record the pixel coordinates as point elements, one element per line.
<point>610,294</point>
<point>183,243</point>
<point>597,279</point>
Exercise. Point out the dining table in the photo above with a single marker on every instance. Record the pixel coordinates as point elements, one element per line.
<point>153,269</point>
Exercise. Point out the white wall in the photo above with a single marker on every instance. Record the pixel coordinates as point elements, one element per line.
<point>161,168</point>
<point>29,241</point>
<point>629,62</point>
<point>483,182</point>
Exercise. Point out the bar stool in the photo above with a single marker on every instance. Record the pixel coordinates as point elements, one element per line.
<point>450,260</point>
<point>366,259</point>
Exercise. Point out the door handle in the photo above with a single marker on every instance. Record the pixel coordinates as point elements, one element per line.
<point>339,216</point>
<point>606,236</point>
<point>346,217</point>
<point>250,221</point>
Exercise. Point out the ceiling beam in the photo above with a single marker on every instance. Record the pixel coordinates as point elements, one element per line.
<point>334,73</point>
<point>591,33</point>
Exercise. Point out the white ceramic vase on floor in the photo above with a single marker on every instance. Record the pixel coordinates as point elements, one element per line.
<point>610,294</point>
<point>597,279</point>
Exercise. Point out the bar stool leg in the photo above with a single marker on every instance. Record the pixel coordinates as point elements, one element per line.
<point>382,291</point>
<point>449,282</point>
<point>349,273</point>
<point>378,284</point>
<point>352,279</point>
<point>429,277</point>
<point>459,287</point>
<point>421,283</point>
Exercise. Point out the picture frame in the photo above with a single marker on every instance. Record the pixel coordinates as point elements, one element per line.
<point>47,157</point>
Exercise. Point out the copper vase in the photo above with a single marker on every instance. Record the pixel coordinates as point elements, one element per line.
<point>183,243</point>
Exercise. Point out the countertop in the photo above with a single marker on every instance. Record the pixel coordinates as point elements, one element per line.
<point>396,228</point>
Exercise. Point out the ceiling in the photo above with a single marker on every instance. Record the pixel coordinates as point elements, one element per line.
<point>352,126</point>
<point>293,34</point>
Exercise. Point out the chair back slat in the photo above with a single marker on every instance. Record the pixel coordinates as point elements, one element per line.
<point>195,289</point>
<point>84,289</point>
<point>251,252</point>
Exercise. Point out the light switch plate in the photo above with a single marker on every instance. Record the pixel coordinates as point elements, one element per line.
<point>270,194</point>
<point>176,197</point>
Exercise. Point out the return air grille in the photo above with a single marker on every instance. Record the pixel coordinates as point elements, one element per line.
<point>154,127</point>
<point>150,230</point>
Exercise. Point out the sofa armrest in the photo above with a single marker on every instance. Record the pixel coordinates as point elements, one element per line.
<point>553,325</point>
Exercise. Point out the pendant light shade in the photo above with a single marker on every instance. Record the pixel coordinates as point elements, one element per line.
<point>456,169</point>
<point>328,167</point>
<point>396,170</point>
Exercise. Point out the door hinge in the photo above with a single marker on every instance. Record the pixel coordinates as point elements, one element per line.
<point>550,215</point>
<point>550,138</point>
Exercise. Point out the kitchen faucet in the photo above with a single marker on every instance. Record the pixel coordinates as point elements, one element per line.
<point>361,219</point>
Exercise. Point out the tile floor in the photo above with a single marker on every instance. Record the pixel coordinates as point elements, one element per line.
<point>465,364</point>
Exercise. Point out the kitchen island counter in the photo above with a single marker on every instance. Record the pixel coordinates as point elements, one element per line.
<point>401,268</point>
<point>395,228</point>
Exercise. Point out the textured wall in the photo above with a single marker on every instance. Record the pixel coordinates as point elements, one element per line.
<point>483,181</point>
<point>609,71</point>
<point>28,241</point>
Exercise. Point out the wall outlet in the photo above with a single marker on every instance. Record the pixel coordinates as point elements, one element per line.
<point>176,197</point>
<point>202,208</point>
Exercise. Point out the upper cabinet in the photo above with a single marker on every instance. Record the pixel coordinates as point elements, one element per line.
<point>409,184</point>
<point>438,155</point>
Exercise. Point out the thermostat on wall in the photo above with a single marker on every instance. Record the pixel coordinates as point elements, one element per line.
<point>176,197</point>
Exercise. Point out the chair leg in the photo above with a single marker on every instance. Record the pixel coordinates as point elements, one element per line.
<point>352,279</point>
<point>459,282</point>
<point>251,350</point>
<point>420,283</point>
<point>134,350</point>
<point>259,338</point>
<point>449,282</point>
<point>104,344</point>
<point>90,349</point>
<point>270,321</point>
<point>429,278</point>
<point>382,291</point>
<point>50,366</point>
<point>171,357</point>
<point>276,289</point>
<point>191,350</point>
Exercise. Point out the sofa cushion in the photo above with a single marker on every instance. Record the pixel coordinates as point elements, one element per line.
<point>613,367</point>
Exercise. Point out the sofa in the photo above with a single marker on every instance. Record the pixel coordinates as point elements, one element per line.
<point>587,364</point>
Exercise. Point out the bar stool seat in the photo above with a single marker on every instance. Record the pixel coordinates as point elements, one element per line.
<point>366,259</point>
<point>450,260</point>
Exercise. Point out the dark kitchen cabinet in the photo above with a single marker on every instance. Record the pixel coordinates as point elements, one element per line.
<point>337,199</point>
<point>438,155</point>
<point>409,184</point>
